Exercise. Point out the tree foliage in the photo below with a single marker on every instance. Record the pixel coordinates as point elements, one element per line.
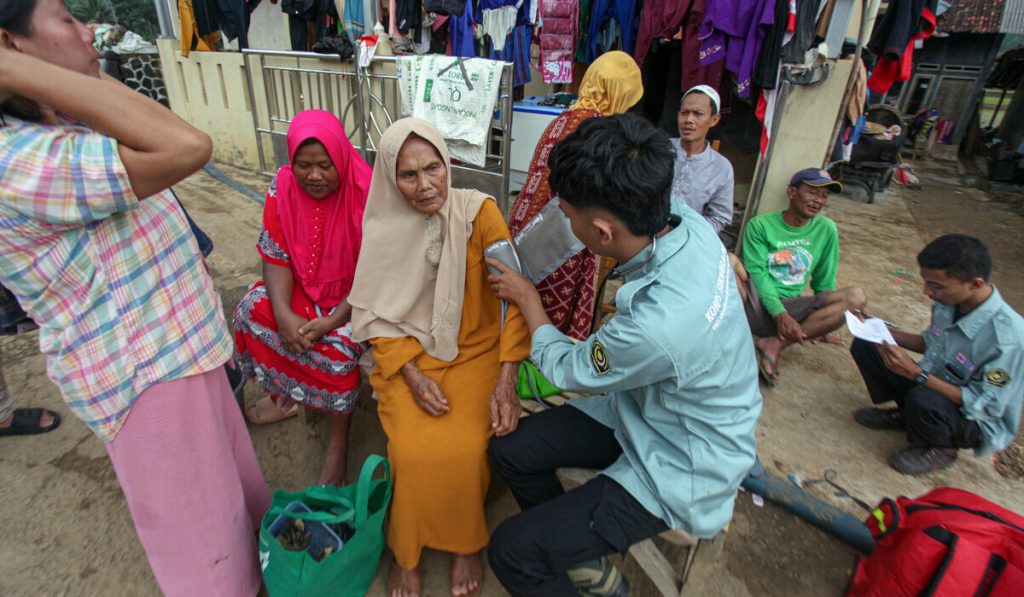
<point>135,15</point>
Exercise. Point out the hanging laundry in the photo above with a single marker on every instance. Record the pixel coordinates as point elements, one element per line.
<point>234,19</point>
<point>460,34</point>
<point>407,15</point>
<point>517,51</point>
<point>803,21</point>
<point>354,20</point>
<point>300,14</point>
<point>199,27</point>
<point>457,95</point>
<point>498,18</point>
<point>557,38</point>
<point>766,74</point>
<point>734,30</point>
<point>623,13</point>
<point>662,19</point>
<point>904,22</point>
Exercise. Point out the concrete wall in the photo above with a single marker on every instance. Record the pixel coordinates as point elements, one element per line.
<point>807,120</point>
<point>210,90</point>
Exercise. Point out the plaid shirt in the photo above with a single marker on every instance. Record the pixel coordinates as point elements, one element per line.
<point>117,285</point>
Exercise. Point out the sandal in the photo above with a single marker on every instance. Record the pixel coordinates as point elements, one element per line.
<point>769,374</point>
<point>26,422</point>
<point>266,411</point>
<point>398,581</point>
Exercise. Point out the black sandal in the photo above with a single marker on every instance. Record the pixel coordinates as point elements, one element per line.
<point>26,422</point>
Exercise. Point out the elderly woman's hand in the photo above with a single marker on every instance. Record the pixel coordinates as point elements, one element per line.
<point>425,390</point>
<point>505,406</point>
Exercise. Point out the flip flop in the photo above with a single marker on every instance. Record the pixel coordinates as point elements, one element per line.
<point>770,376</point>
<point>271,414</point>
<point>26,422</point>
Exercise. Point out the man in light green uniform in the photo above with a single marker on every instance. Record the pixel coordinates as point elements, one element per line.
<point>673,425</point>
<point>966,392</point>
<point>783,252</point>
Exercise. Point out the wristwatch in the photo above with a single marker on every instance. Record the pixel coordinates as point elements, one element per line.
<point>921,377</point>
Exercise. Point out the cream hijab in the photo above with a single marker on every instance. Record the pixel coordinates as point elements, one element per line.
<point>611,85</point>
<point>411,275</point>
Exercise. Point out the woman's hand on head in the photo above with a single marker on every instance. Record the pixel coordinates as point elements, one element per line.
<point>425,391</point>
<point>510,285</point>
<point>505,406</point>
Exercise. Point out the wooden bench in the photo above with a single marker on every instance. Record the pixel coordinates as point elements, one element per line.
<point>667,559</point>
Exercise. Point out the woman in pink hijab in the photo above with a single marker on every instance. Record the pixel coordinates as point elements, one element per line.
<point>292,329</point>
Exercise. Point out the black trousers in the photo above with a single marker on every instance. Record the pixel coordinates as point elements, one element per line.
<point>932,420</point>
<point>530,552</point>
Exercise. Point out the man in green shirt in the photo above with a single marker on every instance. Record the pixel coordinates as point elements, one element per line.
<point>966,392</point>
<point>783,252</point>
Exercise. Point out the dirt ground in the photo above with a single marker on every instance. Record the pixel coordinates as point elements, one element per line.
<point>64,528</point>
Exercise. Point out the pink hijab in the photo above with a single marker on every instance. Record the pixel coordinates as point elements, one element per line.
<point>341,213</point>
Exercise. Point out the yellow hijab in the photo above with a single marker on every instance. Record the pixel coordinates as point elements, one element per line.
<point>411,275</point>
<point>611,85</point>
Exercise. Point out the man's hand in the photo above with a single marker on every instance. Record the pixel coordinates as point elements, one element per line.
<point>788,329</point>
<point>505,406</point>
<point>317,328</point>
<point>511,286</point>
<point>898,361</point>
<point>288,326</point>
<point>425,391</point>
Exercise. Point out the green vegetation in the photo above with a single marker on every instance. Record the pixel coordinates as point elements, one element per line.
<point>135,15</point>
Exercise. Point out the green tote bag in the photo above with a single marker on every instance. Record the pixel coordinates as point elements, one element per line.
<point>348,571</point>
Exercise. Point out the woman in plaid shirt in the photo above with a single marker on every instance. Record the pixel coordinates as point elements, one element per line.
<point>100,255</point>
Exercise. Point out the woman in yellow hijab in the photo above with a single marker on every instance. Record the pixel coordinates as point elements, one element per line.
<point>612,85</point>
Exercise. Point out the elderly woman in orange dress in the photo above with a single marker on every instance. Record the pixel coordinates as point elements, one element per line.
<point>447,355</point>
<point>611,85</point>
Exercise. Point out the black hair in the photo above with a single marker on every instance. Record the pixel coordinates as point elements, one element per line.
<point>622,164</point>
<point>959,256</point>
<point>714,109</point>
<point>16,18</point>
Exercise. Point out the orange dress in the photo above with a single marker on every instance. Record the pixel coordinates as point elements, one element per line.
<point>439,464</point>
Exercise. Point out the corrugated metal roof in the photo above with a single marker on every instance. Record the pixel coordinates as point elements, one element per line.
<point>1013,17</point>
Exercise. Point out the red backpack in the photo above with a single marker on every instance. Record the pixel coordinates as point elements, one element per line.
<point>946,543</point>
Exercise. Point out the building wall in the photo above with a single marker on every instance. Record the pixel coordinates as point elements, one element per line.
<point>210,91</point>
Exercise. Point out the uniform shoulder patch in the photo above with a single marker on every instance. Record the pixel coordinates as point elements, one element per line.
<point>599,358</point>
<point>997,377</point>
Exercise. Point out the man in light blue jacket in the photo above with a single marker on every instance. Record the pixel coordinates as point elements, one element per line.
<point>673,425</point>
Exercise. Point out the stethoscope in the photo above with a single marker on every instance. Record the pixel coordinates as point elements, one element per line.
<point>616,273</point>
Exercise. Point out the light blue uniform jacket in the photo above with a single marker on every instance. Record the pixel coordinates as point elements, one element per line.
<point>983,353</point>
<point>676,369</point>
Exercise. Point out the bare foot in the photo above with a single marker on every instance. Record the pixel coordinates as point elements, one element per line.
<point>466,574</point>
<point>265,411</point>
<point>336,455</point>
<point>829,338</point>
<point>768,357</point>
<point>403,582</point>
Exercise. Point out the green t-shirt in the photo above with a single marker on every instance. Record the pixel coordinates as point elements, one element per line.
<point>781,259</point>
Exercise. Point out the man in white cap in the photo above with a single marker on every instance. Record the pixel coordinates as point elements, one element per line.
<point>703,177</point>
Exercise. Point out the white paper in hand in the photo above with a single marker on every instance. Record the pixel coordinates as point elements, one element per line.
<point>871,329</point>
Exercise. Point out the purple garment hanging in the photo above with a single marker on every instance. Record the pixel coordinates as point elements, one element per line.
<point>734,30</point>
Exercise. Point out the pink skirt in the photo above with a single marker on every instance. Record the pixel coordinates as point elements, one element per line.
<point>193,486</point>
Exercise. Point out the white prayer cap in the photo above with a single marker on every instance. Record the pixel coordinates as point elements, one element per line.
<point>708,91</point>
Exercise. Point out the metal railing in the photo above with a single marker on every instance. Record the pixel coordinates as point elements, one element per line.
<point>366,100</point>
